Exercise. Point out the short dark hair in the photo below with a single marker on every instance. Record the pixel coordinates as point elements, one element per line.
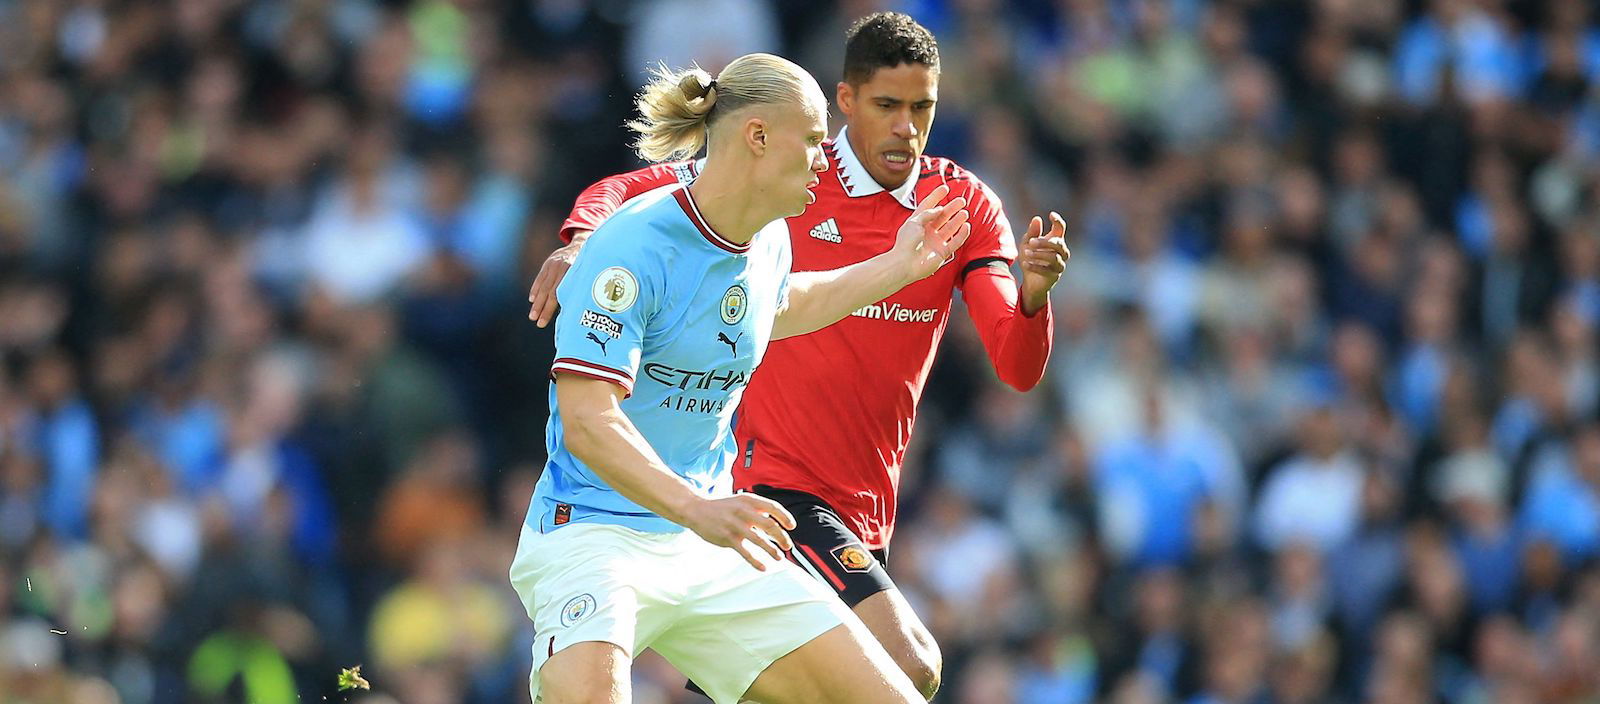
<point>886,40</point>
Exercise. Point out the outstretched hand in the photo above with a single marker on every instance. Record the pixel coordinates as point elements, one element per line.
<point>1043,259</point>
<point>933,233</point>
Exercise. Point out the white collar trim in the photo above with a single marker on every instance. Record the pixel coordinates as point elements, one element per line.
<point>859,183</point>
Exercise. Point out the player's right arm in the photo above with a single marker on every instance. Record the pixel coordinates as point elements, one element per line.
<point>594,205</point>
<point>599,433</point>
<point>610,297</point>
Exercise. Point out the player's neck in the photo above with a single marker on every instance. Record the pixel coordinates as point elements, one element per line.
<point>729,206</point>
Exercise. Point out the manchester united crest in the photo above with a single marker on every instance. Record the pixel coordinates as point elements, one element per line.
<point>853,558</point>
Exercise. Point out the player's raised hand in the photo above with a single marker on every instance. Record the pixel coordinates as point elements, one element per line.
<point>933,233</point>
<point>1043,259</point>
<point>745,523</point>
<point>542,295</point>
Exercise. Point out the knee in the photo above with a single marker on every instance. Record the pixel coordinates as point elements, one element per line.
<point>922,663</point>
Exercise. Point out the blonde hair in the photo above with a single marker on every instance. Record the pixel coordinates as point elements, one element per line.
<point>678,108</point>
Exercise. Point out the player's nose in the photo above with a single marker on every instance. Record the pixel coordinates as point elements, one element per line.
<point>903,127</point>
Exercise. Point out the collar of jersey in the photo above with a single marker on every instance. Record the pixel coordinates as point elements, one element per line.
<point>859,184</point>
<point>686,201</point>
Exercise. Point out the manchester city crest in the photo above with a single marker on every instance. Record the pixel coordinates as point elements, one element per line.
<point>579,607</point>
<point>733,304</point>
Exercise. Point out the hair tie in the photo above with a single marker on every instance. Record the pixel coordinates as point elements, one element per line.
<point>711,86</point>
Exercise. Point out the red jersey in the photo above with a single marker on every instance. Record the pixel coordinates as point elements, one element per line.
<point>830,413</point>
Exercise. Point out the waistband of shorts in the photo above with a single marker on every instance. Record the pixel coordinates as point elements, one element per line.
<point>790,496</point>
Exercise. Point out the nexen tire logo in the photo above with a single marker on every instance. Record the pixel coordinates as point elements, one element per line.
<point>894,312</point>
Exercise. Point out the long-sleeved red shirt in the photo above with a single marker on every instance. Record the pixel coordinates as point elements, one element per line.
<point>830,413</point>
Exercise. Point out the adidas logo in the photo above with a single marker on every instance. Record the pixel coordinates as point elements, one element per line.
<point>827,231</point>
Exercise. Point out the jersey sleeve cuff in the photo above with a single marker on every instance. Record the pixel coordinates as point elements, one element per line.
<point>572,365</point>
<point>571,227</point>
<point>1041,317</point>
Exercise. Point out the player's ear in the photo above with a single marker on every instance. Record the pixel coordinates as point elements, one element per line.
<point>755,135</point>
<point>845,95</point>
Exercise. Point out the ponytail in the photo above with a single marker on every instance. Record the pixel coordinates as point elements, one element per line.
<point>678,108</point>
<point>674,113</point>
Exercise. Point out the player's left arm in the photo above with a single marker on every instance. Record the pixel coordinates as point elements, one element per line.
<point>1014,323</point>
<point>928,239</point>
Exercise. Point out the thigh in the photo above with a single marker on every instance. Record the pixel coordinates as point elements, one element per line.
<point>738,621</point>
<point>580,586</point>
<point>842,666</point>
<point>586,673</point>
<point>828,550</point>
<point>891,620</point>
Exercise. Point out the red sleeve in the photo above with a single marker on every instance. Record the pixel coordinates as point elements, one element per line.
<point>991,236</point>
<point>599,201</point>
<point>1018,345</point>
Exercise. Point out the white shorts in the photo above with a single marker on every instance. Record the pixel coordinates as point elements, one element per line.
<point>702,607</point>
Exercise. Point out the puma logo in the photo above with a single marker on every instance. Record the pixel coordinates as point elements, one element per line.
<point>732,344</point>
<point>598,341</point>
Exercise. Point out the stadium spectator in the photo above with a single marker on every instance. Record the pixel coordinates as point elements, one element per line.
<point>262,342</point>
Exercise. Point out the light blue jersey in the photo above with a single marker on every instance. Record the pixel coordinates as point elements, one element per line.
<point>678,316</point>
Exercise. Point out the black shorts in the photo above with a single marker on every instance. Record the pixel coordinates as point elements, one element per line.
<point>826,549</point>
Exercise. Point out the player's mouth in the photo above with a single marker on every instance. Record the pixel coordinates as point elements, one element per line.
<point>811,194</point>
<point>897,160</point>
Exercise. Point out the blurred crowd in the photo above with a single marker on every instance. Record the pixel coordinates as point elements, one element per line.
<point>1322,423</point>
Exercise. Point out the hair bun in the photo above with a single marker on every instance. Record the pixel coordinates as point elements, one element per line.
<point>696,84</point>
